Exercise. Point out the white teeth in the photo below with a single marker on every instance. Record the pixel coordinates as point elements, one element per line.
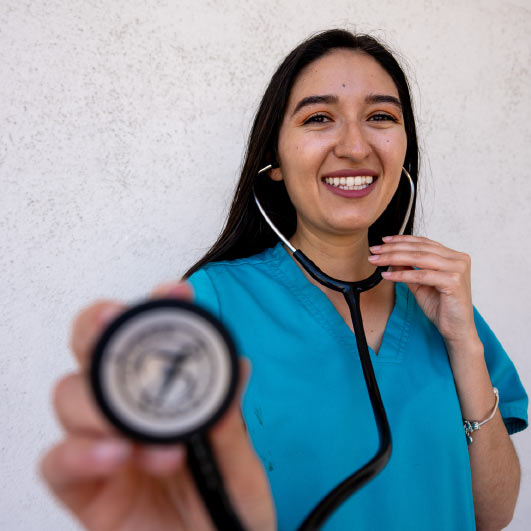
<point>360,187</point>
<point>350,183</point>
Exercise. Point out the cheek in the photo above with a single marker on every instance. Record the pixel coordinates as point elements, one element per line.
<point>302,157</point>
<point>309,147</point>
<point>392,152</point>
<point>392,148</point>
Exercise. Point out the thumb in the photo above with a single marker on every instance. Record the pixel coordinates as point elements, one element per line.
<point>231,427</point>
<point>244,475</point>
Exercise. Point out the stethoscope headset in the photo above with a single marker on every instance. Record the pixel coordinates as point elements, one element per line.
<point>166,370</point>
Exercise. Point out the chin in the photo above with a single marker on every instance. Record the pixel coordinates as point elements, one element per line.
<point>349,229</point>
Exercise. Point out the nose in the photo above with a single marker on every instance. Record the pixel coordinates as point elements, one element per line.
<point>352,142</point>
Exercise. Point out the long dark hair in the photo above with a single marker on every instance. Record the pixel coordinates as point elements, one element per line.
<point>246,233</point>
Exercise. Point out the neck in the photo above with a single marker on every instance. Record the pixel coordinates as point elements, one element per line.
<point>344,258</point>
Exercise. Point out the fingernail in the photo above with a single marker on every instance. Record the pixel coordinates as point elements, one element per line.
<point>375,247</point>
<point>386,274</point>
<point>111,451</point>
<point>110,313</point>
<point>387,238</point>
<point>374,258</point>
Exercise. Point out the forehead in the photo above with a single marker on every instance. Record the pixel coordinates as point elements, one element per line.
<point>342,72</point>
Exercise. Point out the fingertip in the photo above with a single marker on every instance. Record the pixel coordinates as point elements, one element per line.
<point>246,366</point>
<point>109,312</point>
<point>245,374</point>
<point>180,290</point>
<point>80,459</point>
<point>88,325</point>
<point>42,465</point>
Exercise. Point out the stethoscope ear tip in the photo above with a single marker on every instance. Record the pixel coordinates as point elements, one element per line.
<point>271,166</point>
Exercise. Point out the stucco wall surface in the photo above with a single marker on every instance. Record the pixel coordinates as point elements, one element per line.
<point>122,127</point>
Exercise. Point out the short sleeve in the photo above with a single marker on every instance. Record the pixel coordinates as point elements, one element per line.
<point>205,294</point>
<point>503,375</point>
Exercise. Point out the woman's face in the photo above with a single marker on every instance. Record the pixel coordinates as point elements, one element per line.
<point>343,127</point>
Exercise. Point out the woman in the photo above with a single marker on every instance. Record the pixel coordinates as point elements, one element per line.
<point>337,108</point>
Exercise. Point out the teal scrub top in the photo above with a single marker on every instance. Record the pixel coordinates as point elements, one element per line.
<point>308,413</point>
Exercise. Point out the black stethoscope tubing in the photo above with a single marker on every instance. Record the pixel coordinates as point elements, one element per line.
<point>351,291</point>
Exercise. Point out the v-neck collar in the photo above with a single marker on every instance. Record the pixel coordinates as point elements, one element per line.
<point>325,315</point>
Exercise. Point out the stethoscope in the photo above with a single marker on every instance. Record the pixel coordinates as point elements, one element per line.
<point>166,370</point>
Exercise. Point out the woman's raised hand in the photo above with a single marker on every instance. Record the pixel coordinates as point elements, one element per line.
<point>438,277</point>
<point>112,483</point>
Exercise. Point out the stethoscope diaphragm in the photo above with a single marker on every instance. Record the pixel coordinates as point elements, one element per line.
<point>164,370</point>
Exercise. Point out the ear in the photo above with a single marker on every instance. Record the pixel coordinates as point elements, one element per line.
<point>276,174</point>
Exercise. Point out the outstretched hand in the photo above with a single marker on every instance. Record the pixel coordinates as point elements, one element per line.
<point>111,483</point>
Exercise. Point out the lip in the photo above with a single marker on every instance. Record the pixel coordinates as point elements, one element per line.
<point>351,172</point>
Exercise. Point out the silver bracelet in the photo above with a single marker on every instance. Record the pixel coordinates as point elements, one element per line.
<point>473,425</point>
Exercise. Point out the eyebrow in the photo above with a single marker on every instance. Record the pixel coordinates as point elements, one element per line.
<point>383,98</point>
<point>310,100</point>
<point>330,98</point>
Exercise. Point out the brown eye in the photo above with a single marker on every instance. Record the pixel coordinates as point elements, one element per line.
<point>382,117</point>
<point>317,119</point>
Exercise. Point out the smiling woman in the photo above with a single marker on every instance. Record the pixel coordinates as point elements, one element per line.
<point>246,233</point>
<point>334,137</point>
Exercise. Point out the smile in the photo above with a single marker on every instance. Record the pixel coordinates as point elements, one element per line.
<point>359,182</point>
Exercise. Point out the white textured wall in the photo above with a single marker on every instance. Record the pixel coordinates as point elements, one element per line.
<point>122,125</point>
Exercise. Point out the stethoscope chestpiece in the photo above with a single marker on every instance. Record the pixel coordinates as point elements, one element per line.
<point>164,371</point>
